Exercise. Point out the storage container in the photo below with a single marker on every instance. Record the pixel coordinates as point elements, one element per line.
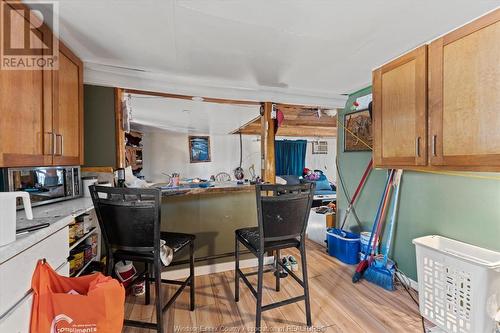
<point>72,232</point>
<point>343,245</point>
<point>87,253</point>
<point>79,256</point>
<point>92,241</point>
<point>86,221</point>
<point>79,229</point>
<point>459,285</point>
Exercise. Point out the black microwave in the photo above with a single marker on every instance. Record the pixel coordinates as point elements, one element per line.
<point>44,184</point>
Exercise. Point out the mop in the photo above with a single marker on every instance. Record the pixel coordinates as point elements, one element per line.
<point>363,264</point>
<point>381,271</point>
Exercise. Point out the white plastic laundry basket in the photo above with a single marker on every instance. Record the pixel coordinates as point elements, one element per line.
<point>459,285</point>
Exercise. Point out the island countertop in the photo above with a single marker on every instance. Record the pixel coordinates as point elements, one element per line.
<point>215,187</point>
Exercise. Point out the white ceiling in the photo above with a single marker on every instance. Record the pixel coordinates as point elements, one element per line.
<point>294,51</point>
<point>186,116</point>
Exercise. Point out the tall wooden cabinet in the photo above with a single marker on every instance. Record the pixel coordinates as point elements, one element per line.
<point>25,104</point>
<point>68,109</point>
<point>400,110</point>
<point>438,106</point>
<point>41,111</point>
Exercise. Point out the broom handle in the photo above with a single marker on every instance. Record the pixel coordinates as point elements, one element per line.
<point>362,181</point>
<point>383,212</point>
<point>375,222</point>
<point>397,180</point>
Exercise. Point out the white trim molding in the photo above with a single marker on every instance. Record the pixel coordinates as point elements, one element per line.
<point>413,283</point>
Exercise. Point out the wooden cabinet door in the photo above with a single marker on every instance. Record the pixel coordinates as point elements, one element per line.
<point>25,109</point>
<point>464,96</point>
<point>68,109</point>
<point>400,111</point>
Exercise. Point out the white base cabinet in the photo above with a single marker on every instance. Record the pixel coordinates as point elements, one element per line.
<point>16,296</point>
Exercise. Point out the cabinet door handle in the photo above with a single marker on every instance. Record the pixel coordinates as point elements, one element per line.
<point>417,146</point>
<point>434,138</point>
<point>62,145</point>
<point>54,142</point>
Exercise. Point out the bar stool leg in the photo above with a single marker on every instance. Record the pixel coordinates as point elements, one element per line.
<point>260,277</point>
<point>236,269</point>
<point>306,283</point>
<point>277,272</point>
<point>159,312</point>
<point>191,273</point>
<point>109,263</point>
<point>148,286</point>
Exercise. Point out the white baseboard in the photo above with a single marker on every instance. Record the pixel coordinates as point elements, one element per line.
<point>214,268</point>
<point>413,283</point>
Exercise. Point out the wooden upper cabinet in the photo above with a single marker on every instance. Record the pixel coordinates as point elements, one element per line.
<point>41,111</point>
<point>464,96</point>
<point>25,107</point>
<point>400,111</point>
<point>68,109</point>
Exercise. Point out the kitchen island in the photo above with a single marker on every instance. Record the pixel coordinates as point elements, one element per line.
<point>212,214</point>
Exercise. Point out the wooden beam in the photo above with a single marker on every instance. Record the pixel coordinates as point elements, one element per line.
<point>296,131</point>
<point>255,122</point>
<point>119,132</point>
<point>296,127</point>
<point>299,131</point>
<point>187,97</point>
<point>267,134</point>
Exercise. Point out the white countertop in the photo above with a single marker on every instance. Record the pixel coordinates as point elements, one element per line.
<point>58,214</point>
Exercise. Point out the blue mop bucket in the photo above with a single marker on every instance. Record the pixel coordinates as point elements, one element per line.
<point>343,245</point>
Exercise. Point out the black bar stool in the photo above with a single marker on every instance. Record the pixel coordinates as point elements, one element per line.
<point>130,225</point>
<point>283,211</point>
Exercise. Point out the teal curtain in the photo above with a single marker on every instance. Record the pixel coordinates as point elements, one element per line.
<point>290,157</point>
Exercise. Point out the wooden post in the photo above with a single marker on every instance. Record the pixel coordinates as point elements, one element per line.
<point>268,162</point>
<point>119,133</point>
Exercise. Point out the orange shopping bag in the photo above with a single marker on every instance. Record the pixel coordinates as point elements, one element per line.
<point>88,304</point>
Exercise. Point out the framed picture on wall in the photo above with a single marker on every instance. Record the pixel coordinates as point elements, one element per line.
<point>358,131</point>
<point>199,149</point>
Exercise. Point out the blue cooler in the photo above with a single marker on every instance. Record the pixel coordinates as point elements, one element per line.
<point>343,245</point>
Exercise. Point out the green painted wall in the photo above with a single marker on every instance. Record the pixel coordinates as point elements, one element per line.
<point>99,123</point>
<point>456,207</point>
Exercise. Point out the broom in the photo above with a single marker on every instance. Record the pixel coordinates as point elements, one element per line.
<point>381,271</point>
<point>363,264</point>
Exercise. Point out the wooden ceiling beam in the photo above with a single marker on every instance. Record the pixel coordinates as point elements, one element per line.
<point>302,123</point>
<point>187,97</point>
<point>297,131</point>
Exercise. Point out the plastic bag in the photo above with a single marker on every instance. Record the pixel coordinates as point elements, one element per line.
<point>88,304</point>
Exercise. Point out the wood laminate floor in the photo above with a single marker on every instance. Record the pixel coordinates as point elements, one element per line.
<point>337,305</point>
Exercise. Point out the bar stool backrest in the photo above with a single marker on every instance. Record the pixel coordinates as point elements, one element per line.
<point>129,217</point>
<point>283,210</point>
